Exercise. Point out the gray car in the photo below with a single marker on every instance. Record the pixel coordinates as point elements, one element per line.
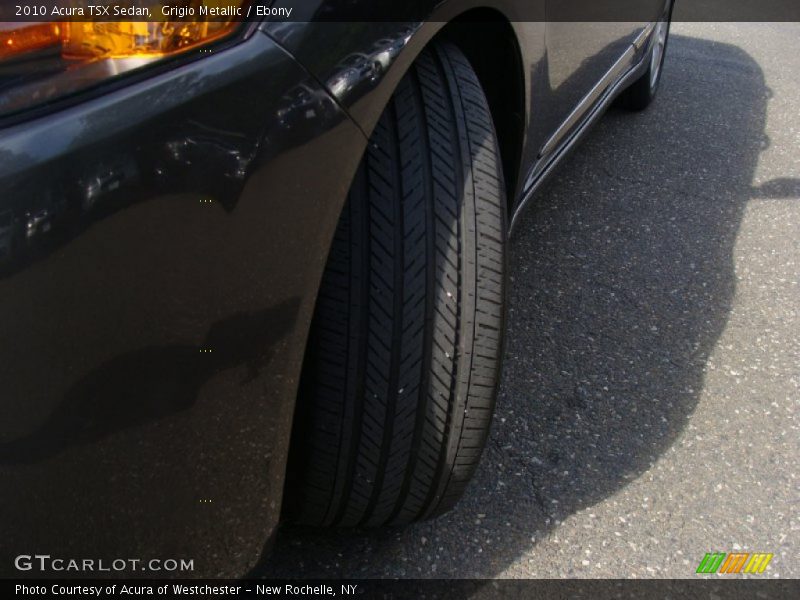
<point>256,269</point>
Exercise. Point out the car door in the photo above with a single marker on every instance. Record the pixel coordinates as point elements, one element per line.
<point>584,56</point>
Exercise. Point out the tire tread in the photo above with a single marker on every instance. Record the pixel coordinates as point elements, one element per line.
<point>401,374</point>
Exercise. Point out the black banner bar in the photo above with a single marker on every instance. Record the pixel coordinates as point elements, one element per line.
<point>16,11</point>
<point>444,589</point>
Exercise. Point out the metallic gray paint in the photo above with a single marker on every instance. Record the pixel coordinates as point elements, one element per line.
<point>168,243</point>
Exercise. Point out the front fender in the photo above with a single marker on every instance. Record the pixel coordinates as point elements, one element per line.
<point>161,249</point>
<point>372,57</point>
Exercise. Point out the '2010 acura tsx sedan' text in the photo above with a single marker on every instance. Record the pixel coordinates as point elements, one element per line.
<point>256,268</point>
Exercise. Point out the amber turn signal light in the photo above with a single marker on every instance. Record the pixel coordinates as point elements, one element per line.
<point>41,61</point>
<point>125,39</point>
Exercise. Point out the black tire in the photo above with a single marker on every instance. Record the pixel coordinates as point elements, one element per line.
<point>641,93</point>
<point>403,360</point>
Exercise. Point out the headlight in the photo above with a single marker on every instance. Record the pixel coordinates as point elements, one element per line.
<point>41,62</point>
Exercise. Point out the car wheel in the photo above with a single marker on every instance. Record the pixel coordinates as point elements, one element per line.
<point>403,359</point>
<point>643,91</point>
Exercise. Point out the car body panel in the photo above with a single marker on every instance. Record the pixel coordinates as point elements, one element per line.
<point>563,59</point>
<point>167,247</point>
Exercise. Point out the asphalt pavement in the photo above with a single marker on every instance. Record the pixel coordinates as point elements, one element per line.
<point>648,412</point>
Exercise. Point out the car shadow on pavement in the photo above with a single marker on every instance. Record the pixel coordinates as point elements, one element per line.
<point>622,280</point>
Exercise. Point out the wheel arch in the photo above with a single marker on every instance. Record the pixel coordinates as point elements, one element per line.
<point>488,39</point>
